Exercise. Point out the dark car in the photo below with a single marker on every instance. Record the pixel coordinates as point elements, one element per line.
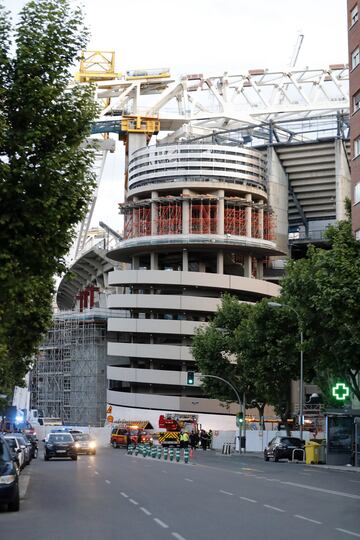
<point>59,445</point>
<point>9,479</point>
<point>84,443</point>
<point>283,448</point>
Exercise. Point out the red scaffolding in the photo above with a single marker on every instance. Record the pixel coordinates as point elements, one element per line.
<point>169,218</point>
<point>137,222</point>
<point>203,217</point>
<point>234,220</point>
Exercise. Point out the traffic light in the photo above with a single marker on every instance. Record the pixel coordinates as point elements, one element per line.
<point>191,377</point>
<point>240,419</point>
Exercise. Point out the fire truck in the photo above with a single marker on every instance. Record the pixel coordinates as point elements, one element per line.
<point>172,424</point>
<point>126,432</point>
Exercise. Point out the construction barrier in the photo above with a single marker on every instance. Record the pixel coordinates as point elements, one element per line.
<point>178,455</point>
<point>159,451</point>
<point>226,449</point>
<point>153,452</point>
<point>186,455</point>
<point>171,454</point>
<point>130,449</point>
<point>166,453</point>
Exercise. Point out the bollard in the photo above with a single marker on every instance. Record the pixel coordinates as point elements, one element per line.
<point>130,449</point>
<point>137,449</point>
<point>159,451</point>
<point>144,451</point>
<point>171,453</point>
<point>166,452</point>
<point>178,455</point>
<point>148,449</point>
<point>226,449</point>
<point>153,452</point>
<point>186,455</point>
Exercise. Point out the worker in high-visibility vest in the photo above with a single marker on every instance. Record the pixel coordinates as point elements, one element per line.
<point>184,439</point>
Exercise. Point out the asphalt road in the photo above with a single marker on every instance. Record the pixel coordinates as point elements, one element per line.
<point>113,495</point>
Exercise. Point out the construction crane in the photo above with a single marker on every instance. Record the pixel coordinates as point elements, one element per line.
<point>296,50</point>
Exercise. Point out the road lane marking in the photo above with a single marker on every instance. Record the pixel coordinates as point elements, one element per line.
<point>225,492</point>
<point>108,481</point>
<point>161,523</point>
<point>178,536</point>
<point>24,484</point>
<point>96,472</point>
<point>322,490</point>
<point>308,519</point>
<point>249,500</point>
<point>274,508</point>
<point>273,480</point>
<point>165,472</point>
<point>145,511</point>
<point>124,495</point>
<point>351,533</point>
<point>188,479</point>
<point>133,502</point>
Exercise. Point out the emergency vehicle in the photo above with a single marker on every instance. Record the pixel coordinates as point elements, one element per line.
<point>127,432</point>
<point>172,425</point>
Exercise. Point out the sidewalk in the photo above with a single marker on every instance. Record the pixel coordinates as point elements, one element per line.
<point>260,455</point>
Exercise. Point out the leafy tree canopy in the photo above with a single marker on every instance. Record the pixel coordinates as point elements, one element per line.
<point>45,173</point>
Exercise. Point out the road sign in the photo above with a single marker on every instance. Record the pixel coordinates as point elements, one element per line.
<point>340,391</point>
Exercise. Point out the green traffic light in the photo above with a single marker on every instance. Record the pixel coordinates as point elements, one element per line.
<point>190,377</point>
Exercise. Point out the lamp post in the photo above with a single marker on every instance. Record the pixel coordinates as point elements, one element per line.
<point>301,389</point>
<point>241,405</point>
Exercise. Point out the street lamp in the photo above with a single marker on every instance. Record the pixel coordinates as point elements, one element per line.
<point>241,405</point>
<point>301,390</point>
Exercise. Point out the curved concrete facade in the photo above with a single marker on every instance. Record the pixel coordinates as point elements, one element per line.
<point>197,224</point>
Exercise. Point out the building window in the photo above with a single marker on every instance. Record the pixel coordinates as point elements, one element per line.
<point>357,234</point>
<point>354,15</point>
<point>355,58</point>
<point>356,147</point>
<point>357,193</point>
<point>356,101</point>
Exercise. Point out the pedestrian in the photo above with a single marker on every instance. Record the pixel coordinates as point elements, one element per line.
<point>181,437</point>
<point>193,440</point>
<point>203,439</point>
<point>210,438</point>
<point>186,439</point>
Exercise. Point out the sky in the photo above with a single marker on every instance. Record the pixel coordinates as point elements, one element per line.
<point>206,36</point>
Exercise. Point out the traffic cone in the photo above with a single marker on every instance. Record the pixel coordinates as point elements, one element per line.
<point>178,455</point>
<point>159,451</point>
<point>186,455</point>
<point>137,449</point>
<point>153,452</point>
<point>171,453</point>
<point>166,452</point>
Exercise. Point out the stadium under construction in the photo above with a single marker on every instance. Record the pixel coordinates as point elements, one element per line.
<point>247,171</point>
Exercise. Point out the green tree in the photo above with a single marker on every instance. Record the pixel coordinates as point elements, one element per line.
<point>45,173</point>
<point>255,348</point>
<point>325,289</point>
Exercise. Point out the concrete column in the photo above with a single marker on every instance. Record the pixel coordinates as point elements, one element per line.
<point>135,263</point>
<point>185,260</point>
<point>220,262</point>
<point>154,261</point>
<point>220,212</point>
<point>278,192</point>
<point>154,214</point>
<point>342,179</point>
<point>261,222</point>
<point>248,215</point>
<point>259,269</point>
<point>185,212</point>
<point>247,266</point>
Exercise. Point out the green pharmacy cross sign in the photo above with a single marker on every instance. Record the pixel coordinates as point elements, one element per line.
<point>340,391</point>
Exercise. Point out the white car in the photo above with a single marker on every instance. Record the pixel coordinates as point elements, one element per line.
<point>18,453</point>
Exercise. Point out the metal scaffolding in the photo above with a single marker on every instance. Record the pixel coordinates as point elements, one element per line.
<point>69,375</point>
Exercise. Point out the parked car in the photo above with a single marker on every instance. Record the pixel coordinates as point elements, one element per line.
<point>60,445</point>
<point>9,478</point>
<point>283,448</point>
<point>17,453</point>
<point>85,444</point>
<point>26,445</point>
<point>34,444</point>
